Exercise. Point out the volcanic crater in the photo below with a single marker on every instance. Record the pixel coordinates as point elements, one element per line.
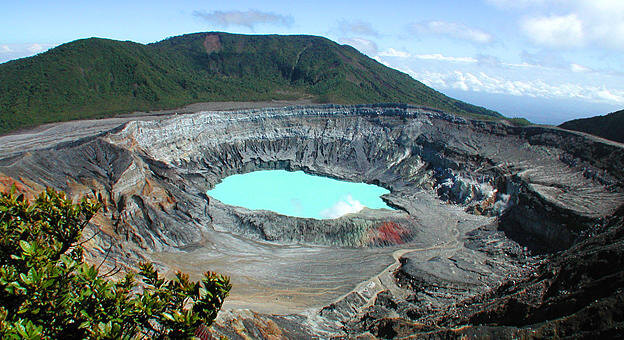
<point>479,204</point>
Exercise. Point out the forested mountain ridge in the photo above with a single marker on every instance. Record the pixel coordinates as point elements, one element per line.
<point>609,126</point>
<point>96,77</point>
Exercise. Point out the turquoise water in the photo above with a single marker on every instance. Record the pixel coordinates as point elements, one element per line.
<point>297,194</point>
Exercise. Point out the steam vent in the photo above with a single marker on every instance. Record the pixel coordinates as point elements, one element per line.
<point>497,230</point>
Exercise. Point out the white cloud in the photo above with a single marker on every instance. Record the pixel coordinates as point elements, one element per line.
<point>394,53</point>
<point>348,205</point>
<point>441,57</point>
<point>482,82</point>
<point>488,60</point>
<point>545,58</point>
<point>604,22</point>
<point>35,48</point>
<point>248,19</point>
<point>480,59</point>
<point>15,51</point>
<point>570,23</point>
<point>454,30</point>
<point>611,96</point>
<point>391,52</point>
<point>363,45</point>
<point>555,31</point>
<point>520,3</point>
<point>357,28</point>
<point>383,62</point>
<point>579,68</point>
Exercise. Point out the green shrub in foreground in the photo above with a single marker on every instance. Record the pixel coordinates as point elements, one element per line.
<point>47,291</point>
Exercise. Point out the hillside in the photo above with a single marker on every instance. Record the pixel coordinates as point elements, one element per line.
<point>609,126</point>
<point>99,77</point>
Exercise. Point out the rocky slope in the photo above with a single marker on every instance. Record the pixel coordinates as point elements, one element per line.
<point>481,208</point>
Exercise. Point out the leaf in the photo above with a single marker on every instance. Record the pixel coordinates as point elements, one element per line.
<point>44,270</point>
<point>21,329</point>
<point>26,247</point>
<point>25,278</point>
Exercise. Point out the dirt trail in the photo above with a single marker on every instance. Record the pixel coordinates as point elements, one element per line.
<point>385,280</point>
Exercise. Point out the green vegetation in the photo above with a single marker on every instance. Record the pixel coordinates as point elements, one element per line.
<point>519,121</point>
<point>610,126</point>
<point>47,292</point>
<point>95,77</point>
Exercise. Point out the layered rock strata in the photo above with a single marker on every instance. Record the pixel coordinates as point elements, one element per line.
<point>477,203</point>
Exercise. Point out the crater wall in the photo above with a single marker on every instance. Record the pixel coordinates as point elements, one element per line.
<point>549,185</point>
<point>475,201</point>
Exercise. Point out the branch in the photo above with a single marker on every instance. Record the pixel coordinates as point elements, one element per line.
<point>87,240</point>
<point>105,257</point>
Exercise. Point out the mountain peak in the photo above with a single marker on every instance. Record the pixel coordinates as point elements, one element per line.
<point>99,77</point>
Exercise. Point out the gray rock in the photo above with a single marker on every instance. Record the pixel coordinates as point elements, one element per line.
<point>473,200</point>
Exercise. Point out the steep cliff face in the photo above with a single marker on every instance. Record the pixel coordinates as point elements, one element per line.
<point>475,201</point>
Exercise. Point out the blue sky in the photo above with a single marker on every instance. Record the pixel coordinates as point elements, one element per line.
<point>547,60</point>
